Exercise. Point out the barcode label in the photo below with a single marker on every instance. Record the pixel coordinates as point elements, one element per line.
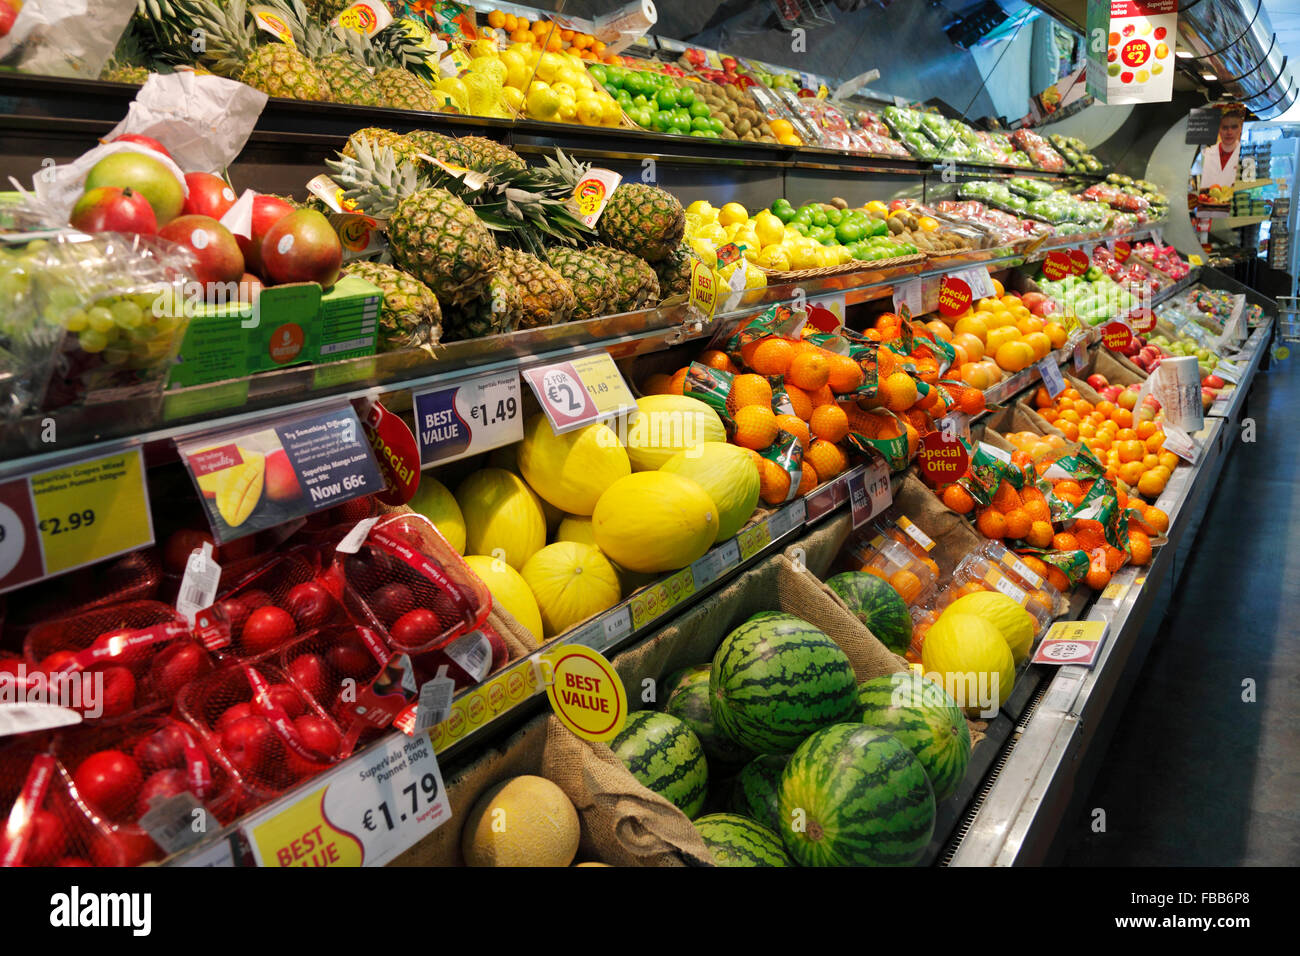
<point>199,583</point>
<point>473,653</point>
<point>916,534</point>
<point>352,542</point>
<point>1027,574</point>
<point>178,822</point>
<point>435,703</point>
<point>1004,584</point>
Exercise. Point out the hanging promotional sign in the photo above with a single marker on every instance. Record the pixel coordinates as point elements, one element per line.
<point>1131,50</point>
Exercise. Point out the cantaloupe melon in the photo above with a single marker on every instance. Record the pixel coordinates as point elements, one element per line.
<point>523,821</point>
<point>727,475</point>
<point>503,518</point>
<point>509,591</point>
<point>571,582</point>
<point>435,502</point>
<point>571,470</point>
<point>1016,625</point>
<point>968,657</point>
<point>576,528</point>
<point>654,521</point>
<point>663,425</point>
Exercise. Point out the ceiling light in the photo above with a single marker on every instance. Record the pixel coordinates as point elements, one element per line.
<point>1183,54</point>
<point>1211,77</point>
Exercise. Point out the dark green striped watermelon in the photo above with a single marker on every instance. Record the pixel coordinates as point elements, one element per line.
<point>877,605</point>
<point>925,720</point>
<point>862,798</point>
<point>674,680</point>
<point>666,756</point>
<point>690,703</point>
<point>738,841</point>
<point>756,791</point>
<point>775,680</point>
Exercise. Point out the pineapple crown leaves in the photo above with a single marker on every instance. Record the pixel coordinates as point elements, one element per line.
<point>395,46</point>
<point>374,179</point>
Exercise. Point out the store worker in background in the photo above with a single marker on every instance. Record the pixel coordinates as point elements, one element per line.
<point>1219,161</point>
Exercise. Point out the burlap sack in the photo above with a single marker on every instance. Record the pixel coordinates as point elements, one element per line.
<point>1117,369</point>
<point>1086,391</point>
<point>1029,417</point>
<point>623,823</point>
<point>519,640</point>
<point>1019,417</point>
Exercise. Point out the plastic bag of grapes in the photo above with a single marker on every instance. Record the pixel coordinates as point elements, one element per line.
<point>86,319</point>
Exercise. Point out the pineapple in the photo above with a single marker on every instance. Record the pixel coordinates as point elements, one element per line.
<point>127,62</point>
<point>590,278</point>
<point>326,10</point>
<point>635,284</point>
<point>547,298</point>
<point>431,234</point>
<point>644,220</point>
<point>411,317</point>
<point>376,139</point>
<point>406,68</point>
<point>674,272</point>
<point>339,55</point>
<point>499,310</point>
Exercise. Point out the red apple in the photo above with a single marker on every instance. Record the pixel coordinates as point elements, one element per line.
<point>1097,381</point>
<point>308,672</point>
<point>417,628</point>
<point>250,744</point>
<point>302,247</point>
<point>8,15</point>
<point>209,195</point>
<point>1213,381</point>
<point>266,629</point>
<point>1126,400</point>
<point>176,666</point>
<point>113,209</point>
<point>287,699</point>
<point>310,604</point>
<point>217,252</point>
<point>318,736</point>
<point>267,211</point>
<point>146,141</point>
<point>109,780</point>
<point>233,713</point>
<point>281,479</point>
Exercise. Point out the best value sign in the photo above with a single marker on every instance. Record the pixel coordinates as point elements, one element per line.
<point>1131,50</point>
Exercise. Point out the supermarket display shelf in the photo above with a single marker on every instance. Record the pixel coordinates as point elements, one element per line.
<point>1023,805</point>
<point>1179,287</point>
<point>489,710</point>
<point>1237,222</point>
<point>1230,404</point>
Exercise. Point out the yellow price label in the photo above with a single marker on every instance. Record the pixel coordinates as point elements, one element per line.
<point>92,510</point>
<point>1195,260</point>
<point>604,382</point>
<point>270,21</point>
<point>704,288</point>
<point>753,540</point>
<point>585,691</point>
<point>649,604</point>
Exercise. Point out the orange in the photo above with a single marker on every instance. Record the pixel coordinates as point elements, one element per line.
<point>939,330</point>
<point>1057,579</point>
<point>1012,356</point>
<point>808,479</point>
<point>1030,324</point>
<point>1156,519</point>
<point>972,344</point>
<point>1006,498</point>
<point>1098,577</point>
<point>1040,343</point>
<point>1114,558</point>
<point>796,427</point>
<point>1145,430</point>
<point>749,390</point>
<point>678,382</point>
<point>1139,546</point>
<point>960,357</point>
<point>755,426</point>
<point>975,375</point>
<point>992,524</point>
<point>1055,333</point>
<point>1149,460</point>
<point>1130,472</point>
<point>971,401</point>
<point>773,482</point>
<point>907,584</point>
<point>829,422</point>
<point>1037,509</point>
<point>658,384</point>
<point>1040,534</point>
<point>496,19</point>
<point>801,400</point>
<point>1069,415</point>
<point>772,356</point>
<point>898,392</point>
<point>1155,441</point>
<point>846,374</point>
<point>1130,450</point>
<point>1167,459</point>
<point>1043,398</point>
<point>1152,483</point>
<point>540,27</point>
<point>1064,541</point>
<point>1018,523</point>
<point>958,499</point>
<point>821,396</point>
<point>810,370</point>
<point>1071,431</point>
<point>721,361</point>
<point>511,22</point>
<point>1067,487</point>
<point>1000,336</point>
<point>827,458</point>
<point>1126,434</point>
<point>1122,417</point>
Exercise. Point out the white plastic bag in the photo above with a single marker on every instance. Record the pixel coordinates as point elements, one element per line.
<point>65,37</point>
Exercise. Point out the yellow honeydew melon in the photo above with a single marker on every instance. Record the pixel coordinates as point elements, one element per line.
<point>1016,625</point>
<point>576,528</point>
<point>571,470</point>
<point>571,582</point>
<point>509,590</point>
<point>663,425</point>
<point>435,502</point>
<point>522,821</point>
<point>654,521</point>
<point>727,475</point>
<point>966,654</point>
<point>503,518</point>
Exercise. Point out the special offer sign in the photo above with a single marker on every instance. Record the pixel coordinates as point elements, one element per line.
<point>1135,63</point>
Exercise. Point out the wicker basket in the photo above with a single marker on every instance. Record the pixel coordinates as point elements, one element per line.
<point>845,268</point>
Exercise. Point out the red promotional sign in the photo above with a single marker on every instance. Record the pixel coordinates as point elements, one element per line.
<point>1078,262</point>
<point>395,450</point>
<point>215,459</point>
<point>1056,266</point>
<point>1116,336</point>
<point>954,296</point>
<point>1122,250</point>
<point>940,461</point>
<point>1142,321</point>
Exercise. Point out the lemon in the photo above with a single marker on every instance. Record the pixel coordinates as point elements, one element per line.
<point>705,252</point>
<point>732,212</point>
<point>568,109</point>
<point>826,256</point>
<point>483,47</point>
<point>513,97</point>
<point>564,90</point>
<point>714,233</point>
<point>769,229</point>
<point>548,66</point>
<point>754,278</point>
<point>611,112</point>
<point>455,88</point>
<point>517,69</point>
<point>704,209</point>
<point>589,111</point>
<point>804,255</point>
<point>775,257</point>
<point>543,104</point>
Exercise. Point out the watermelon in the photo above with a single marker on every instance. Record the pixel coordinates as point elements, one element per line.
<point>689,702</point>
<point>924,719</point>
<point>674,680</point>
<point>756,790</point>
<point>738,841</point>
<point>852,795</point>
<point>877,605</point>
<point>775,680</point>
<point>665,756</point>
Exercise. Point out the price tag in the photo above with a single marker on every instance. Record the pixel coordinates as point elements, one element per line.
<point>716,563</point>
<point>434,703</point>
<point>1116,336</point>
<point>1071,642</point>
<point>824,499</point>
<point>65,518</point>
<point>221,853</point>
<point>1000,582</point>
<point>869,492</point>
<point>367,17</point>
<point>1051,375</point>
<point>364,813</point>
<point>1181,444</point>
<point>955,296</point>
<point>199,583</point>
<point>916,534</point>
<point>585,691</point>
<point>1022,570</point>
<point>787,518</point>
<point>648,605</point>
<point>268,19</point>
<point>908,293</point>
<point>979,281</point>
<point>1115,591</point>
<point>753,540</point>
<point>471,416</point>
<point>171,821</point>
<point>577,393</point>
<point>473,652</point>
<point>1080,355</point>
<point>704,292</point>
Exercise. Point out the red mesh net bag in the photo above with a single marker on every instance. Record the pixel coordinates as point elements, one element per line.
<point>42,823</point>
<point>124,771</point>
<point>136,655</point>
<point>267,733</point>
<point>407,584</point>
<point>133,577</point>
<point>324,530</point>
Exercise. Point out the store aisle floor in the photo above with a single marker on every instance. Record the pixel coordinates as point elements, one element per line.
<point>1195,776</point>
